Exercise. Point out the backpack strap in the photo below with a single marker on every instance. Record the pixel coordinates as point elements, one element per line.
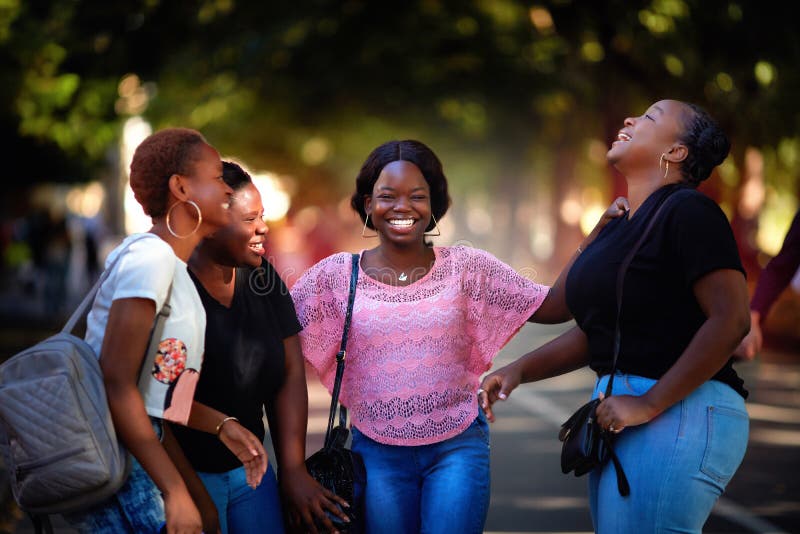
<point>155,335</point>
<point>82,310</point>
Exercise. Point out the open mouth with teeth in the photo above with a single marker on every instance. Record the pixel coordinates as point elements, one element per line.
<point>258,248</point>
<point>401,223</point>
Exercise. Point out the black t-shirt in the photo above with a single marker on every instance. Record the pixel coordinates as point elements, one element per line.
<point>244,361</point>
<point>660,314</point>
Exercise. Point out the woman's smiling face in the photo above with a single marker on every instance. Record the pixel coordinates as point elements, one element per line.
<point>400,204</point>
<point>241,242</point>
<point>643,139</point>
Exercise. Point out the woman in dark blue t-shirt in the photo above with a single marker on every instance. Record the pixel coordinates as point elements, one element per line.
<point>677,405</point>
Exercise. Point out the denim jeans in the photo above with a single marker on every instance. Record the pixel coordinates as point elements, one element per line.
<point>678,464</point>
<point>241,508</point>
<point>437,488</point>
<point>137,508</point>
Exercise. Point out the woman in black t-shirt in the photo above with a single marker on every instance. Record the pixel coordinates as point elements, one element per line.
<point>677,405</point>
<point>253,362</point>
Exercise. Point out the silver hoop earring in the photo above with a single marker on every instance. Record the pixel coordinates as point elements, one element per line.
<point>196,227</point>
<point>435,227</point>
<point>364,230</point>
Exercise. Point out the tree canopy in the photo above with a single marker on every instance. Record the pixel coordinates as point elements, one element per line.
<point>501,88</point>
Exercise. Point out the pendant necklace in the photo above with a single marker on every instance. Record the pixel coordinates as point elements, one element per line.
<point>403,276</point>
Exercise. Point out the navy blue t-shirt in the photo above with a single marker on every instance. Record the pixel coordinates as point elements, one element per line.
<point>660,314</point>
<point>244,362</point>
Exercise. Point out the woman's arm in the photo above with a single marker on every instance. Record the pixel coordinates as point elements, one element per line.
<point>722,295</point>
<point>771,283</point>
<point>239,440</point>
<point>124,343</point>
<point>567,352</point>
<point>198,491</point>
<point>554,308</point>
<point>306,500</point>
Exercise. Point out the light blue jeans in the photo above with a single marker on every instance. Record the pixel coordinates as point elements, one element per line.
<point>137,508</point>
<point>241,508</point>
<point>437,488</point>
<point>678,464</point>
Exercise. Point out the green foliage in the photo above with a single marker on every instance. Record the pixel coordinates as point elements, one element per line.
<point>493,78</point>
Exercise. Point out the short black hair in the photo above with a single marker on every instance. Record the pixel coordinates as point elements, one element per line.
<point>707,143</point>
<point>235,176</point>
<point>408,150</point>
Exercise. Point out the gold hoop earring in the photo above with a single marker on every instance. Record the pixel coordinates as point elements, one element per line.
<point>364,230</point>
<point>435,227</point>
<point>199,218</point>
<point>660,162</point>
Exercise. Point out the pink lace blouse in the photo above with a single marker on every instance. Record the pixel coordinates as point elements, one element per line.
<point>415,353</point>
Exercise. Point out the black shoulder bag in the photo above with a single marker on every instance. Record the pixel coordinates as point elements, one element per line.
<point>586,445</point>
<point>336,467</point>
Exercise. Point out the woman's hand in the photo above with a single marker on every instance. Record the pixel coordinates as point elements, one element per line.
<point>210,518</point>
<point>617,412</point>
<point>308,501</point>
<point>617,209</point>
<point>247,448</point>
<point>751,345</point>
<point>498,386</point>
<point>182,515</point>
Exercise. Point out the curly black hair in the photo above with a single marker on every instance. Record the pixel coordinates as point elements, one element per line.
<point>707,143</point>
<point>408,150</point>
<point>156,159</point>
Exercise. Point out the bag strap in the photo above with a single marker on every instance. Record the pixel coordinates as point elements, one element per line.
<point>341,355</point>
<point>82,310</point>
<point>622,481</point>
<point>623,486</point>
<point>41,523</point>
<point>623,268</point>
<point>158,323</point>
<point>155,335</point>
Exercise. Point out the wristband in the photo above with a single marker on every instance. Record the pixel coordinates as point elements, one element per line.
<point>222,423</point>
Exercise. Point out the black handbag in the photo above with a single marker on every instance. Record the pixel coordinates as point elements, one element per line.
<point>335,466</point>
<point>585,444</point>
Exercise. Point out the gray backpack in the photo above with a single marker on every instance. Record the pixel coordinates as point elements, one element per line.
<point>56,434</point>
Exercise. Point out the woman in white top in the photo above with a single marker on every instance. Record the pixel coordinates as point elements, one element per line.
<point>177,178</point>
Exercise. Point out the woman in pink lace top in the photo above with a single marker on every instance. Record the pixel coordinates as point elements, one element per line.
<point>427,322</point>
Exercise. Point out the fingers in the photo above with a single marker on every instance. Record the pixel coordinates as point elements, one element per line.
<point>493,388</point>
<point>333,497</point>
<point>248,449</point>
<point>606,418</point>
<point>309,523</point>
<point>254,471</point>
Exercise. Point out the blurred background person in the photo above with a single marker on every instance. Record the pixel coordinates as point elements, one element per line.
<point>776,276</point>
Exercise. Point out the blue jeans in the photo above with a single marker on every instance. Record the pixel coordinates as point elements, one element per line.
<point>242,508</point>
<point>135,509</point>
<point>437,488</point>
<point>678,464</point>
